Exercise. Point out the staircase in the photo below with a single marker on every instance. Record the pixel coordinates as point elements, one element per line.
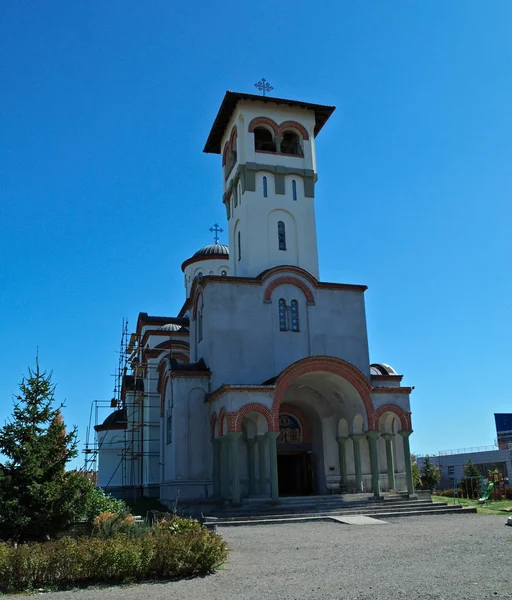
<point>261,511</point>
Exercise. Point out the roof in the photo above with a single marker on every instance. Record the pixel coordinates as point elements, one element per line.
<point>212,251</point>
<point>231,99</point>
<point>382,369</point>
<point>115,420</point>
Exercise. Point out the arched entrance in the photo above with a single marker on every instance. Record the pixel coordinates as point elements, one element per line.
<point>320,393</point>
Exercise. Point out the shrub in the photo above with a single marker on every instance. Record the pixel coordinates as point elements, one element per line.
<point>100,502</point>
<point>123,558</point>
<point>109,524</point>
<point>449,493</point>
<point>176,525</point>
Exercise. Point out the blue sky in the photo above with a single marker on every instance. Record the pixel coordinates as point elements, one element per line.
<point>104,189</point>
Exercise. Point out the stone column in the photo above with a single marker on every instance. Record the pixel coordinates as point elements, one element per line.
<point>272,454</point>
<point>224,466</point>
<point>234,452</point>
<point>216,445</point>
<point>372,437</point>
<point>357,459</point>
<point>405,433</point>
<point>390,459</point>
<point>262,467</point>
<point>251,443</point>
<point>343,460</point>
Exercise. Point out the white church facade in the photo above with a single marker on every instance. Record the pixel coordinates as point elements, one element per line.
<point>262,385</point>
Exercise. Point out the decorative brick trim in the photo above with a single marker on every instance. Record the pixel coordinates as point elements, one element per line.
<point>225,153</point>
<point>296,411</point>
<point>386,377</point>
<point>171,344</point>
<point>263,121</point>
<point>213,422</point>
<point>196,259</point>
<point>248,408</point>
<point>380,389</point>
<point>405,417</point>
<point>163,366</point>
<point>292,281</point>
<point>190,374</point>
<point>195,301</point>
<point>293,125</point>
<point>331,365</point>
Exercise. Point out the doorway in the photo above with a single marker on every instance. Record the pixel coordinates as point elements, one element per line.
<point>294,470</point>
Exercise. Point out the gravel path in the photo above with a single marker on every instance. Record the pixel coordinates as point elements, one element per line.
<point>441,557</point>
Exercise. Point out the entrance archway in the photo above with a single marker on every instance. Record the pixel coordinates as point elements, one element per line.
<point>294,453</point>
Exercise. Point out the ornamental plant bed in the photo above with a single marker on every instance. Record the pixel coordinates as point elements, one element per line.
<point>163,552</point>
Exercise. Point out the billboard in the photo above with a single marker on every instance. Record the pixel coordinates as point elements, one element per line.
<point>504,430</point>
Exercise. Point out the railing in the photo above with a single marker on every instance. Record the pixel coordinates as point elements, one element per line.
<point>468,450</point>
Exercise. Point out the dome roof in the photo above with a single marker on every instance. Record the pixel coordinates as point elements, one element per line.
<point>213,250</point>
<point>382,369</point>
<point>116,420</point>
<point>170,327</point>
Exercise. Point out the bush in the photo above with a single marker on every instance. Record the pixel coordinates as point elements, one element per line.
<point>449,493</point>
<point>100,502</point>
<point>109,524</point>
<point>120,559</point>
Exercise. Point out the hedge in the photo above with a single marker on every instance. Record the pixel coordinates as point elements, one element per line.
<point>123,558</point>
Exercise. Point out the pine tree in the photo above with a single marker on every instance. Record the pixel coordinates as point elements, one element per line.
<point>430,474</point>
<point>37,497</point>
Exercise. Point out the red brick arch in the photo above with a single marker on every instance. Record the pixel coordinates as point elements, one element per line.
<point>220,420</point>
<point>327,364</point>
<point>253,407</point>
<point>293,125</point>
<point>292,281</point>
<point>405,417</point>
<point>264,121</point>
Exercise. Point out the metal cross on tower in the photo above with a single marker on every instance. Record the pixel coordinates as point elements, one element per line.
<point>217,230</point>
<point>263,86</point>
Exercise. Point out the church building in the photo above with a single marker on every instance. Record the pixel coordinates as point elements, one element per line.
<point>261,386</point>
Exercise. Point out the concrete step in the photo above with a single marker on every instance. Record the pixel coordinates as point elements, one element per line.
<point>290,519</point>
<point>363,510</point>
<point>281,508</point>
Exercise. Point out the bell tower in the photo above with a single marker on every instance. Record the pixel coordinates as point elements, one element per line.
<point>269,175</point>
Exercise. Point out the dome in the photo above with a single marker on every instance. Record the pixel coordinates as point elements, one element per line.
<point>115,420</point>
<point>213,250</point>
<point>170,327</point>
<point>382,369</point>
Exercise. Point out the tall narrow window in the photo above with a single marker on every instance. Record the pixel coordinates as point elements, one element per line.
<point>200,325</point>
<point>283,325</point>
<point>239,247</point>
<point>239,193</point>
<point>294,189</point>
<point>235,196</point>
<point>265,191</point>
<point>294,315</point>
<point>281,235</point>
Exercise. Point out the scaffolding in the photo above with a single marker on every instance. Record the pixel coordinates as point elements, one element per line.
<point>131,394</point>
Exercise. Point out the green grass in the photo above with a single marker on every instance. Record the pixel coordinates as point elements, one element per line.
<point>490,508</point>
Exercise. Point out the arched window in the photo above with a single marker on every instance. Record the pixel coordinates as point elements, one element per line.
<point>239,193</point>
<point>281,235</point>
<point>291,144</point>
<point>282,315</point>
<point>265,189</point>
<point>200,324</point>
<point>235,196</point>
<point>224,273</point>
<point>294,189</point>
<point>263,140</point>
<point>294,315</point>
<point>239,246</point>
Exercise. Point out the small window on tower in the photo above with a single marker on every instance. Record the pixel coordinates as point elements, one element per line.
<point>265,188</point>
<point>223,272</point>
<point>294,189</point>
<point>281,235</point>
<point>291,144</point>
<point>239,193</point>
<point>263,140</point>
<point>239,247</point>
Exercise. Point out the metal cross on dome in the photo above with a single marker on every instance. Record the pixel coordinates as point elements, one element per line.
<point>263,86</point>
<point>217,230</point>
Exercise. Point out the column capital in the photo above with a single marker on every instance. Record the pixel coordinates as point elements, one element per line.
<point>272,434</point>
<point>387,436</point>
<point>405,433</point>
<point>234,435</point>
<point>373,435</point>
<point>252,441</point>
<point>342,440</point>
<point>216,440</point>
<point>357,436</point>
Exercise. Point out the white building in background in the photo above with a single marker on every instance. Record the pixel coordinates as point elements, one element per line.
<point>262,385</point>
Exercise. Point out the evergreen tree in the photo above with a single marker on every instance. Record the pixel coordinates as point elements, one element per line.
<point>37,497</point>
<point>430,474</point>
<point>471,483</point>
<point>416,480</point>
